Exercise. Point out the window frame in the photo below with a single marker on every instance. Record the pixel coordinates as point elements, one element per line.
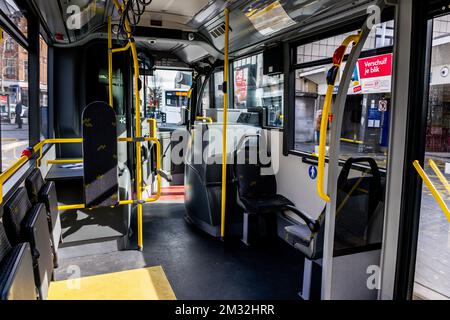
<point>30,43</point>
<point>289,130</point>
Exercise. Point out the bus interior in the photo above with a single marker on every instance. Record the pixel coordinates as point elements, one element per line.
<point>224,150</point>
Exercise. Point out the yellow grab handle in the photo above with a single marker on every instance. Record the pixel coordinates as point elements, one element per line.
<point>437,196</point>
<point>207,119</point>
<point>441,177</point>
<point>338,57</point>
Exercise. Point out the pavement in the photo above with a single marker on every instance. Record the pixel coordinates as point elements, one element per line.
<point>14,141</point>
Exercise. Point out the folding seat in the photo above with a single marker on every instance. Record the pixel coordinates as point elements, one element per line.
<point>16,270</point>
<point>41,192</point>
<point>25,223</point>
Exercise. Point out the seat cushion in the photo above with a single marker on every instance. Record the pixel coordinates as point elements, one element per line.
<point>34,184</point>
<point>302,239</point>
<point>15,211</point>
<point>264,204</point>
<point>299,234</point>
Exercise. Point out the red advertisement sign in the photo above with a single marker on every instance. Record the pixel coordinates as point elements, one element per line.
<point>3,99</point>
<point>240,86</point>
<point>375,67</point>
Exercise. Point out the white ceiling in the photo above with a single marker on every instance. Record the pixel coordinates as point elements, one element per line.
<point>186,8</point>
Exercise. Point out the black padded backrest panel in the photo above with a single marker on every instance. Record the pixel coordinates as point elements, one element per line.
<point>5,246</point>
<point>36,227</point>
<point>34,184</point>
<point>101,181</point>
<point>252,183</point>
<point>15,210</point>
<point>49,198</point>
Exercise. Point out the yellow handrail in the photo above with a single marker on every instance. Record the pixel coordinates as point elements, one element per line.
<point>64,161</point>
<point>225,123</point>
<point>7,174</point>
<point>338,58</point>
<point>128,202</point>
<point>138,129</point>
<point>207,119</point>
<point>352,141</point>
<point>110,63</point>
<point>437,196</point>
<point>441,177</point>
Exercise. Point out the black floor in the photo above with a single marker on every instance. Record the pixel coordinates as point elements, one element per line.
<point>201,267</point>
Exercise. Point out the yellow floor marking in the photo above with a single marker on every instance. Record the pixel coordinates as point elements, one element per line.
<point>141,284</point>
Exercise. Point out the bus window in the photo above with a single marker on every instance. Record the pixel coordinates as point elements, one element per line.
<point>432,270</point>
<point>254,89</point>
<point>218,90</point>
<point>14,102</point>
<point>365,130</point>
<point>43,83</point>
<point>206,97</point>
<point>168,92</point>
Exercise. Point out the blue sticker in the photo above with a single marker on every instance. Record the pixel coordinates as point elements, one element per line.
<point>313,172</point>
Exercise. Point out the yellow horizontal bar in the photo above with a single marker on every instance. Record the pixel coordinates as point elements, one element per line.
<point>64,161</point>
<point>352,141</point>
<point>440,175</point>
<point>437,196</point>
<point>72,207</point>
<point>207,119</point>
<point>123,49</point>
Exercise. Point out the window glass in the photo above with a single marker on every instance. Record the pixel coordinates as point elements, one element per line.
<point>218,90</point>
<point>206,97</point>
<point>381,36</point>
<point>43,83</point>
<point>365,130</point>
<point>432,269</point>
<point>168,95</point>
<point>11,10</point>
<point>14,101</point>
<point>254,89</point>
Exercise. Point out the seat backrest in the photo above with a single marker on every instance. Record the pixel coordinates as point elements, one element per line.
<point>252,183</point>
<point>34,183</point>
<point>15,211</point>
<point>49,198</point>
<point>101,180</point>
<point>5,246</point>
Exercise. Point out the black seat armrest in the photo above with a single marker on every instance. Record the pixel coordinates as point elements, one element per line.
<point>16,275</point>
<point>313,225</point>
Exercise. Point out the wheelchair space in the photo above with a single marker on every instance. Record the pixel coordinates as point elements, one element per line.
<point>196,265</point>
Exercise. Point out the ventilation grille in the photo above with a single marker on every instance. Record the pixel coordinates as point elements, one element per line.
<point>218,31</point>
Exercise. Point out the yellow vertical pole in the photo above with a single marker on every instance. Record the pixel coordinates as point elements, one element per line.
<point>225,121</point>
<point>138,147</point>
<point>153,128</point>
<point>110,63</point>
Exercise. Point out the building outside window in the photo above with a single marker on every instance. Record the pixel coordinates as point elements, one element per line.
<point>14,98</point>
<point>367,111</point>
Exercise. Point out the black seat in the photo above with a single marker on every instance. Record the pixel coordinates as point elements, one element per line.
<point>257,190</point>
<point>45,193</point>
<point>24,223</point>
<point>359,215</point>
<point>16,270</point>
